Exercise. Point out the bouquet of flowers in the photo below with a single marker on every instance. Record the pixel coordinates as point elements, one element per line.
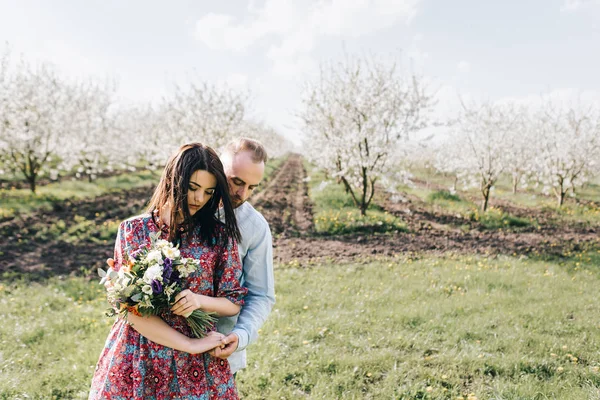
<point>148,281</point>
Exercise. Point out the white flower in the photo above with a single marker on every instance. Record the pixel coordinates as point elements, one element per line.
<point>189,265</point>
<point>152,273</point>
<point>171,252</point>
<point>154,255</point>
<point>162,244</point>
<point>169,290</point>
<point>147,289</point>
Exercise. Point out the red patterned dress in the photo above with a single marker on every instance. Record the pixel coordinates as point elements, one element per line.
<point>133,367</point>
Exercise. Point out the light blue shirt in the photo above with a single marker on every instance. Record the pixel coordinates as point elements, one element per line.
<point>256,254</point>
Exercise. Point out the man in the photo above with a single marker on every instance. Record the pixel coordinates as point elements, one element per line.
<point>244,163</point>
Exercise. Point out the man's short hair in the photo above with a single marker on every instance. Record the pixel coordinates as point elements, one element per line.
<point>259,154</point>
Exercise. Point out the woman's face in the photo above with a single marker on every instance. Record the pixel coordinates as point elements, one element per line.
<point>201,188</point>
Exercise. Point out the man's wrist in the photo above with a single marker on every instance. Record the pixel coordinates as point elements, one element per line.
<point>242,339</point>
<point>237,341</point>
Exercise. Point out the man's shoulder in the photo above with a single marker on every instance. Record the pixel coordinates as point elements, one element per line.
<point>248,215</point>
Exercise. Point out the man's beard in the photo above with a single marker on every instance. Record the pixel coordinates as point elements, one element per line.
<point>236,202</point>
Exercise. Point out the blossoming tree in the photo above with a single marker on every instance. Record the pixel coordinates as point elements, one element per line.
<point>482,145</point>
<point>355,115</point>
<point>569,147</point>
<point>34,105</point>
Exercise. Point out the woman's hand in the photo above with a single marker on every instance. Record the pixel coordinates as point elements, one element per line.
<point>186,302</point>
<point>211,341</point>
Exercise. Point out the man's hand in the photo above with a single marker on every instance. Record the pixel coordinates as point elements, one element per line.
<point>229,343</point>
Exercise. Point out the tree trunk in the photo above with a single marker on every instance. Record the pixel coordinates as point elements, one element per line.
<point>560,192</point>
<point>31,180</point>
<point>515,183</point>
<point>363,201</point>
<point>485,191</point>
<point>561,197</point>
<point>363,209</point>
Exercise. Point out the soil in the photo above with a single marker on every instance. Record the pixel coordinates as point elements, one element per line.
<point>24,250</point>
<point>286,205</point>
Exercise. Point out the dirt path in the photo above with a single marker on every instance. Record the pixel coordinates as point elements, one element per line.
<point>285,202</point>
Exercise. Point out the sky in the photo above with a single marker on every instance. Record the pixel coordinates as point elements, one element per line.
<point>486,50</point>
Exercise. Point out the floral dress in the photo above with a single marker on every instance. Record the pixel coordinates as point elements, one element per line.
<point>133,367</point>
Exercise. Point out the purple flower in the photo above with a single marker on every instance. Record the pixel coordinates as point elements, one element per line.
<point>167,269</point>
<point>156,287</point>
<point>136,253</point>
<point>175,276</point>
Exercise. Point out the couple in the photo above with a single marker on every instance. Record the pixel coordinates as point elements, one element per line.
<point>199,204</point>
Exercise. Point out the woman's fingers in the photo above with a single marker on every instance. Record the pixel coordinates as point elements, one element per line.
<point>181,302</point>
<point>182,294</point>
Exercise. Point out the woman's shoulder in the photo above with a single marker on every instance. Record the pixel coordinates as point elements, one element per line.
<point>137,222</point>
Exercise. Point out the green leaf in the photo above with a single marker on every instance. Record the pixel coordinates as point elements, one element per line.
<point>137,297</point>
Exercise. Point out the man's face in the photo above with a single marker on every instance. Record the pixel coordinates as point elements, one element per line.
<point>243,176</point>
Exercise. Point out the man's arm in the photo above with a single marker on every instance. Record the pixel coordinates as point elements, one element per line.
<point>258,278</point>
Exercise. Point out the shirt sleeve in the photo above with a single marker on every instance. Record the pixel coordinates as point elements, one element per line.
<point>120,246</point>
<point>121,254</point>
<point>229,274</point>
<point>258,279</point>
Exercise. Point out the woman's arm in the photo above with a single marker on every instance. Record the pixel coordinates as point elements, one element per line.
<point>229,293</point>
<point>158,331</point>
<point>188,301</point>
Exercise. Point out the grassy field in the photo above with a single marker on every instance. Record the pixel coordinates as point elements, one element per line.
<point>582,208</point>
<point>23,201</point>
<point>430,328</point>
<point>335,212</point>
<point>414,326</point>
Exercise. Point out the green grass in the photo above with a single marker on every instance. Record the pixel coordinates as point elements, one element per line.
<point>575,210</point>
<point>494,218</point>
<point>271,166</point>
<point>443,195</point>
<point>406,327</point>
<point>51,336</point>
<point>434,328</point>
<point>22,201</point>
<point>335,213</point>
<point>81,230</point>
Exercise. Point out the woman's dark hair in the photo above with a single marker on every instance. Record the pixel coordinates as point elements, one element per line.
<point>173,189</point>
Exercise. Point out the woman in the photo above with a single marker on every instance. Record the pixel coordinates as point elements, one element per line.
<point>154,357</point>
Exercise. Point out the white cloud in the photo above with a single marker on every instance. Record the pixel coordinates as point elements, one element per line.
<point>224,32</point>
<point>573,5</point>
<point>297,27</point>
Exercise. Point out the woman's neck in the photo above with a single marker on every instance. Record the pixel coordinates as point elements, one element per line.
<point>165,215</point>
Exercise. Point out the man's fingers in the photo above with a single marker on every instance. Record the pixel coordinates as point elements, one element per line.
<point>110,262</point>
